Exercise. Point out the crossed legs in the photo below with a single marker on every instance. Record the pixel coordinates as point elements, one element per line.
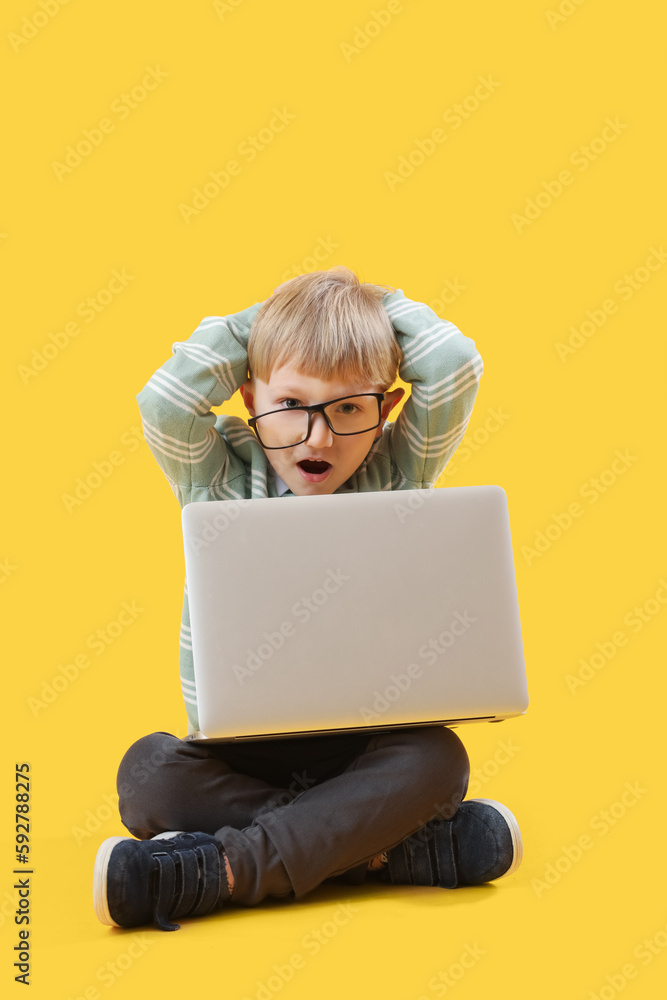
<point>287,826</point>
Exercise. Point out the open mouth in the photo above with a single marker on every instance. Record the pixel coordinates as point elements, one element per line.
<point>312,467</point>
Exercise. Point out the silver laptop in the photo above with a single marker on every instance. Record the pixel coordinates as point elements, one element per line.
<point>358,611</point>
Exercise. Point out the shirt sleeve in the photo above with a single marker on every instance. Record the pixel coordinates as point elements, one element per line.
<point>175,404</point>
<point>444,368</point>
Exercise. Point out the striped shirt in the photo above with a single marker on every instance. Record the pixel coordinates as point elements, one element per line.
<point>210,457</point>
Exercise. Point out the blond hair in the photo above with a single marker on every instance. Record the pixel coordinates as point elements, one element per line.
<point>327,324</point>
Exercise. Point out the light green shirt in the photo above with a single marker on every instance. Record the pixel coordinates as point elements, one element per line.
<point>209,457</point>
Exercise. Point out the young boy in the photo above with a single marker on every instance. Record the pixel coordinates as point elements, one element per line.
<point>222,823</point>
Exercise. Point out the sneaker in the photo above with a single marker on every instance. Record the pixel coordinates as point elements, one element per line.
<point>152,881</point>
<point>482,842</point>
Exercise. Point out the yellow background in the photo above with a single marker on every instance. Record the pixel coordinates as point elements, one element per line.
<point>321,180</point>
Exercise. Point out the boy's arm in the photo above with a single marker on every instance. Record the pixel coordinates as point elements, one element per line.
<point>175,405</point>
<point>444,368</point>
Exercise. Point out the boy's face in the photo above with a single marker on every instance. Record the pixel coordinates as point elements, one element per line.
<point>343,454</point>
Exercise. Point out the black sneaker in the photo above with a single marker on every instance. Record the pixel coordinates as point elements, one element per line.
<point>482,842</point>
<point>150,881</point>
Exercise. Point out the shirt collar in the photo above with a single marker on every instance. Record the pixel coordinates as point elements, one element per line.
<point>281,485</point>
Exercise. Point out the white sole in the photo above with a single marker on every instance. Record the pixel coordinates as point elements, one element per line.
<point>100,901</point>
<point>100,880</point>
<point>517,843</point>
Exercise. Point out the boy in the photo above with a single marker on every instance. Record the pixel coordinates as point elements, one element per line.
<point>220,823</point>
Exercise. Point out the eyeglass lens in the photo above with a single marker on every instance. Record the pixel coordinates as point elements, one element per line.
<point>286,427</point>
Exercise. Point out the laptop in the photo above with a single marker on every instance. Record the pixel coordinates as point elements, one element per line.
<point>360,612</point>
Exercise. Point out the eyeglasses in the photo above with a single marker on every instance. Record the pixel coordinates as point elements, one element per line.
<point>285,428</point>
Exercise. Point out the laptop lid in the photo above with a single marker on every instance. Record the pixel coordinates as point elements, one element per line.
<point>358,611</point>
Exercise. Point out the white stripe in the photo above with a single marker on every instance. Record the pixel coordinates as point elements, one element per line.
<point>401,308</point>
<point>235,495</point>
<point>221,491</point>
<point>171,382</point>
<point>186,448</point>
<point>214,363</point>
<point>445,395</point>
<point>183,451</point>
<point>423,451</point>
<point>197,453</point>
<point>454,375</point>
<point>172,399</point>
<point>221,370</point>
<point>426,344</point>
<point>421,445</point>
<point>418,436</point>
<point>200,348</point>
<point>215,480</point>
<point>203,354</point>
<point>239,434</point>
<point>209,321</point>
<point>232,326</point>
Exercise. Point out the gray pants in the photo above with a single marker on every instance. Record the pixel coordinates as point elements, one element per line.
<point>291,813</point>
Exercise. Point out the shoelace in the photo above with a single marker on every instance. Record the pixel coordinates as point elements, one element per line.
<point>200,884</point>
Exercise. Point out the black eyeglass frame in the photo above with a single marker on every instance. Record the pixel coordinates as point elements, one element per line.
<point>316,408</point>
